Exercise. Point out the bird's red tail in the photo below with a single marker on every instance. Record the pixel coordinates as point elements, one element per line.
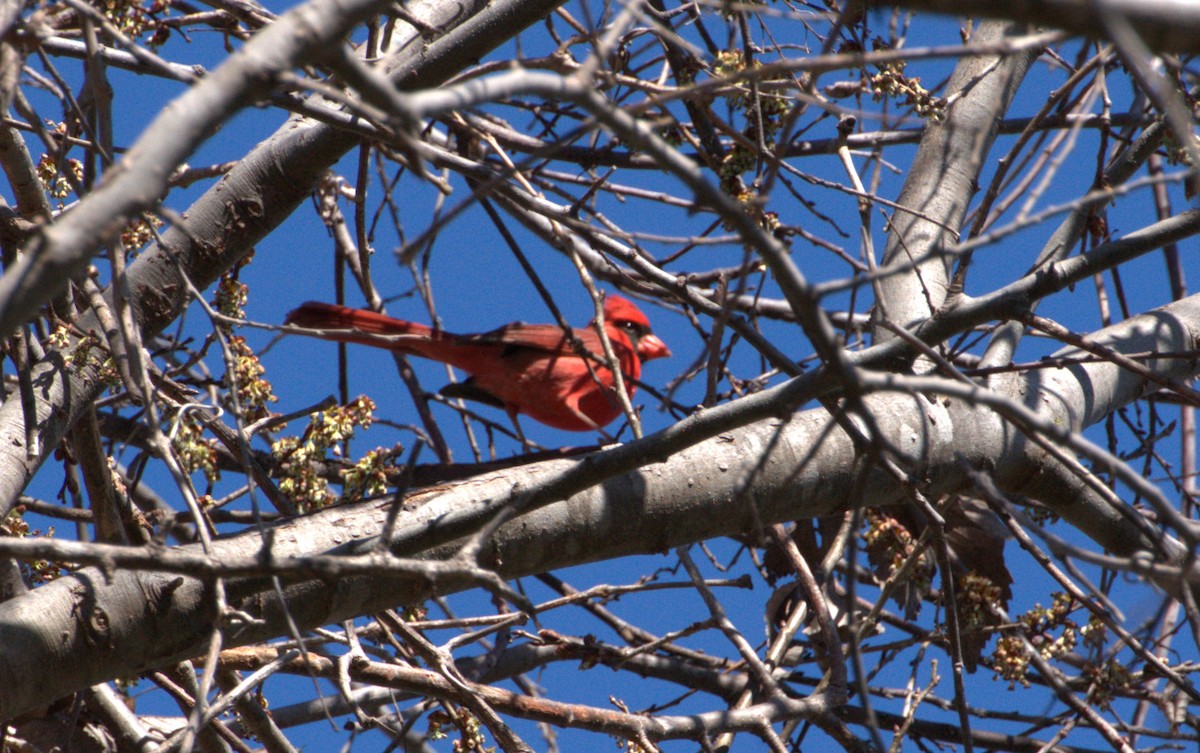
<point>345,324</point>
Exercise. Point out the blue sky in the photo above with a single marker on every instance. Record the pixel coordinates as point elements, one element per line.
<point>479,285</point>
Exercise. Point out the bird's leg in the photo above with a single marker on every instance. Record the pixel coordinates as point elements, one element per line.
<point>605,437</point>
<point>512,416</point>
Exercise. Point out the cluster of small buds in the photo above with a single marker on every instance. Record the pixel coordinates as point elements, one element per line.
<point>1050,647</point>
<point>254,392</point>
<point>60,337</point>
<point>1010,662</point>
<point>369,476</point>
<point>339,422</point>
<point>470,730</point>
<point>14,526</point>
<point>231,297</point>
<point>737,160</point>
<point>87,353</point>
<point>891,81</point>
<point>139,232</point>
<point>1039,626</point>
<point>764,116</point>
<point>54,180</point>
<point>134,19</point>
<point>976,597</point>
<point>1107,680</point>
<point>1095,633</point>
<point>891,544</point>
<point>752,204</point>
<point>729,63</point>
<point>195,453</point>
<point>893,84</point>
<point>301,482</point>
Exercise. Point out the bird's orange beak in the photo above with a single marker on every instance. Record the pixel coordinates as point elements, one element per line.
<point>650,347</point>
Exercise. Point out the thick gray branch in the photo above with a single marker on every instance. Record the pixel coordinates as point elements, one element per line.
<point>62,251</point>
<point>88,628</point>
<point>1164,25</point>
<point>942,179</point>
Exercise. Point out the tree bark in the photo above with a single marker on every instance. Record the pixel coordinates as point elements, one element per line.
<point>104,623</point>
<point>1164,25</point>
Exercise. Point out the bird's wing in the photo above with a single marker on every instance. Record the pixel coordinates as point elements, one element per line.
<point>548,338</point>
<point>545,337</point>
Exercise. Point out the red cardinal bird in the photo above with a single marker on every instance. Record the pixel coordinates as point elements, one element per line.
<point>523,368</point>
